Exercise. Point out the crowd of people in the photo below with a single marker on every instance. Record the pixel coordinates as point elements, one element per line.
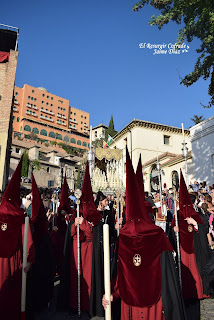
<point>161,249</point>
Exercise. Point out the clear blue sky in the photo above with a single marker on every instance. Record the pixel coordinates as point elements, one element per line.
<point>88,52</point>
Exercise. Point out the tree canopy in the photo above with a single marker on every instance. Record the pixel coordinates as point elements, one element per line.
<point>197,16</point>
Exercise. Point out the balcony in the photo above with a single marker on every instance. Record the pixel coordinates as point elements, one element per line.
<point>85,125</point>
<point>47,111</point>
<point>74,121</point>
<point>16,102</point>
<point>35,107</point>
<point>64,117</point>
<point>72,127</point>
<point>59,115</point>
<point>48,119</point>
<point>15,109</point>
<point>58,121</point>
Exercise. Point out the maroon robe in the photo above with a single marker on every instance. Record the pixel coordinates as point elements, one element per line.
<point>86,246</point>
<point>11,279</point>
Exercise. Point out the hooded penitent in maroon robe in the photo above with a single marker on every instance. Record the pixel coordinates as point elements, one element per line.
<point>91,218</point>
<point>192,285</point>
<point>11,249</point>
<point>143,249</point>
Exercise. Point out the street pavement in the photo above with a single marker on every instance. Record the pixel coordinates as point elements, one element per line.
<point>207,312</point>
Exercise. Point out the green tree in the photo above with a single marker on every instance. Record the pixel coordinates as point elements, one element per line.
<point>33,136</point>
<point>197,16</point>
<point>25,164</point>
<point>78,182</point>
<point>197,119</point>
<point>36,165</point>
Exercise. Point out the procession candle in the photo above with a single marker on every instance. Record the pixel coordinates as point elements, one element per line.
<point>24,274</point>
<point>107,270</point>
<point>182,125</point>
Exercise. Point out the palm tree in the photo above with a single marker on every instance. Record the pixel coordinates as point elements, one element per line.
<point>197,119</point>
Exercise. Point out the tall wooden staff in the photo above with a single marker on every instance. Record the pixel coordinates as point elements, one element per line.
<point>78,194</point>
<point>24,274</point>
<point>106,250</point>
<point>177,237</point>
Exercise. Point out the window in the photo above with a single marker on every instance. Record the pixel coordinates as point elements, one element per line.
<point>81,122</point>
<point>66,139</point>
<point>14,118</point>
<point>74,113</point>
<point>35,130</point>
<point>84,144</point>
<point>48,169</point>
<point>59,136</point>
<point>27,128</point>
<point>35,99</point>
<point>166,139</point>
<point>42,102</point>
<point>85,117</point>
<point>17,150</point>
<point>43,132</point>
<point>73,140</point>
<point>51,98</point>
<point>31,98</point>
<point>47,97</point>
<point>71,112</point>
<point>95,134</point>
<point>28,97</point>
<point>51,105</point>
<point>32,91</point>
<point>43,95</point>
<point>81,128</point>
<point>79,142</point>
<point>88,145</point>
<point>17,119</point>
<point>81,116</point>
<point>47,103</point>
<point>52,134</point>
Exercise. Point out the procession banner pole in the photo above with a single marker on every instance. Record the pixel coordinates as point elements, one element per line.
<point>78,194</point>
<point>177,239</point>
<point>24,274</point>
<point>107,270</point>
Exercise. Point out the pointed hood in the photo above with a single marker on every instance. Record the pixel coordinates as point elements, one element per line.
<point>64,205</point>
<point>11,215</point>
<point>87,194</point>
<point>12,192</point>
<point>135,207</point>
<point>186,210</point>
<point>139,175</point>
<point>88,207</point>
<point>139,249</point>
<point>64,198</point>
<point>38,211</point>
<point>185,203</point>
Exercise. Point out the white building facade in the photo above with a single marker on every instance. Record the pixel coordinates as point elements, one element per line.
<point>202,138</point>
<point>151,140</point>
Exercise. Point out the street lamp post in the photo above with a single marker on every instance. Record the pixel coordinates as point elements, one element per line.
<point>185,155</point>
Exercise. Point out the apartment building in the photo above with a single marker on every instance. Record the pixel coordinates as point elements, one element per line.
<point>35,110</point>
